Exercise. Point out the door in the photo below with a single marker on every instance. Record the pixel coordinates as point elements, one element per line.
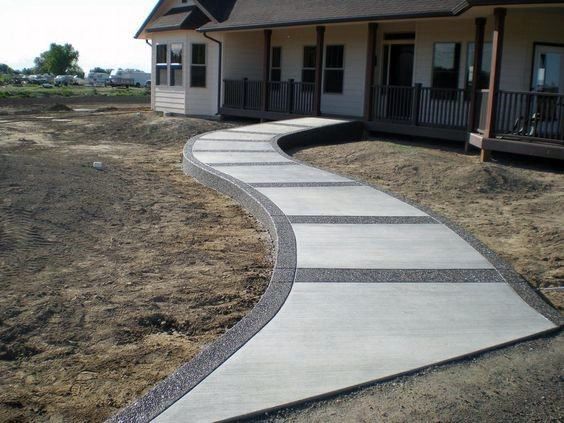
<point>398,70</point>
<point>546,113</point>
<point>548,70</point>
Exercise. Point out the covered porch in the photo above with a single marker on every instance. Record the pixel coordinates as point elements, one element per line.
<point>395,76</point>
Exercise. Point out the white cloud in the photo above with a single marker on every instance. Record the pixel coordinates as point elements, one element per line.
<point>102,31</point>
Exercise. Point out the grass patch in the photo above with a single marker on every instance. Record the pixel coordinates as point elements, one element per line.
<point>33,91</point>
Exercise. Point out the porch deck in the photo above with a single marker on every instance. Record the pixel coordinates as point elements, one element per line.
<point>528,123</point>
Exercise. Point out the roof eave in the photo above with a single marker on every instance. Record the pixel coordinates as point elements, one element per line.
<point>330,21</point>
<point>151,16</point>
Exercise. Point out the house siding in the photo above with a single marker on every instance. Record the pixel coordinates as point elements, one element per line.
<point>522,29</point>
<point>351,101</point>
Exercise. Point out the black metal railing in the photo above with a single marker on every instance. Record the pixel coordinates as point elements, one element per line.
<point>530,115</point>
<point>288,97</point>
<point>422,106</point>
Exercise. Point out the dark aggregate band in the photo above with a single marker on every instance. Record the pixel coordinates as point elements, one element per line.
<point>304,184</point>
<point>364,220</point>
<point>261,164</point>
<point>398,276</point>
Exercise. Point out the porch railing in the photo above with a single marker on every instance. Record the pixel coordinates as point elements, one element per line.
<point>288,97</point>
<point>530,115</point>
<point>422,106</point>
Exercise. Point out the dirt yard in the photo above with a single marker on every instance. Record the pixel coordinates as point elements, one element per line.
<point>110,280</point>
<point>515,207</point>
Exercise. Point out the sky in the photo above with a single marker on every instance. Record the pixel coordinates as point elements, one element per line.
<point>101,30</point>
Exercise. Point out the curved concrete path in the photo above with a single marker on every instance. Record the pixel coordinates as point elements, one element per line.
<point>366,286</point>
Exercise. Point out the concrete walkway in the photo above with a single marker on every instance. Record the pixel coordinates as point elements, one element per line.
<point>376,287</point>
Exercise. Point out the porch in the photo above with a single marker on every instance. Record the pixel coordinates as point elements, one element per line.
<point>388,78</point>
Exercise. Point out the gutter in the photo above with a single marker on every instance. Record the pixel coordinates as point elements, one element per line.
<point>219,71</point>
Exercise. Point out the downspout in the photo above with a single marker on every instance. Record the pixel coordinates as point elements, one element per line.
<point>220,44</point>
<point>148,43</point>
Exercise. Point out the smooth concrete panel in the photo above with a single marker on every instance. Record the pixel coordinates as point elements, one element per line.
<point>281,174</point>
<point>384,246</point>
<point>314,122</point>
<point>235,136</point>
<point>240,157</point>
<point>329,337</point>
<point>233,145</point>
<point>338,201</point>
<point>268,128</point>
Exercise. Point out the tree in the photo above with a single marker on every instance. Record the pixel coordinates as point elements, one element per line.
<point>98,69</point>
<point>5,69</point>
<point>59,60</point>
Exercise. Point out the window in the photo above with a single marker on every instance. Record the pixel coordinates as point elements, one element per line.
<point>446,65</point>
<point>334,71</point>
<point>176,72</point>
<point>484,75</point>
<point>310,59</point>
<point>198,68</point>
<point>161,65</point>
<point>276,67</point>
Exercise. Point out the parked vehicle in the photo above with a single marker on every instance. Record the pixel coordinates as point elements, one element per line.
<point>78,81</point>
<point>97,79</point>
<point>128,78</point>
<point>64,80</point>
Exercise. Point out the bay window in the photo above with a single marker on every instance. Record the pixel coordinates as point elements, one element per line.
<point>161,69</point>
<point>176,71</point>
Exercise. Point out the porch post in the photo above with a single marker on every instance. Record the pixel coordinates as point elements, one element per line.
<point>318,69</point>
<point>497,51</point>
<point>478,54</point>
<point>266,68</point>
<point>369,79</point>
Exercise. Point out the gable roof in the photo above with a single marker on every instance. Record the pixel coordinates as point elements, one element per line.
<point>226,15</point>
<point>247,14</point>
<point>178,18</point>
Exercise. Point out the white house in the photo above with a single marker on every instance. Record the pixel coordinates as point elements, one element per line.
<point>490,73</point>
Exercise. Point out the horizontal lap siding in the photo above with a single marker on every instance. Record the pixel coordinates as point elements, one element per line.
<point>242,55</point>
<point>351,101</point>
<point>170,101</point>
<point>522,29</point>
<point>203,101</point>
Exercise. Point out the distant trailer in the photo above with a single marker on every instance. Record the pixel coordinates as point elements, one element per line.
<point>128,78</point>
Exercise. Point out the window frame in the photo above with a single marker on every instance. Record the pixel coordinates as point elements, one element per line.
<point>327,69</point>
<point>176,65</point>
<point>457,52</point>
<point>470,58</point>
<point>198,65</point>
<point>275,68</point>
<point>309,68</point>
<point>159,66</point>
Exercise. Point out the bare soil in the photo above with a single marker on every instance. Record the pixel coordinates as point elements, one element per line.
<point>514,206</point>
<point>110,280</point>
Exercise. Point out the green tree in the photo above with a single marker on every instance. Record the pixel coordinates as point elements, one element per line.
<point>59,60</point>
<point>5,69</point>
<point>98,69</point>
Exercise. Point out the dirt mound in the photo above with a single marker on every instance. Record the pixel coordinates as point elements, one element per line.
<point>492,179</point>
<point>107,109</point>
<point>59,108</point>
